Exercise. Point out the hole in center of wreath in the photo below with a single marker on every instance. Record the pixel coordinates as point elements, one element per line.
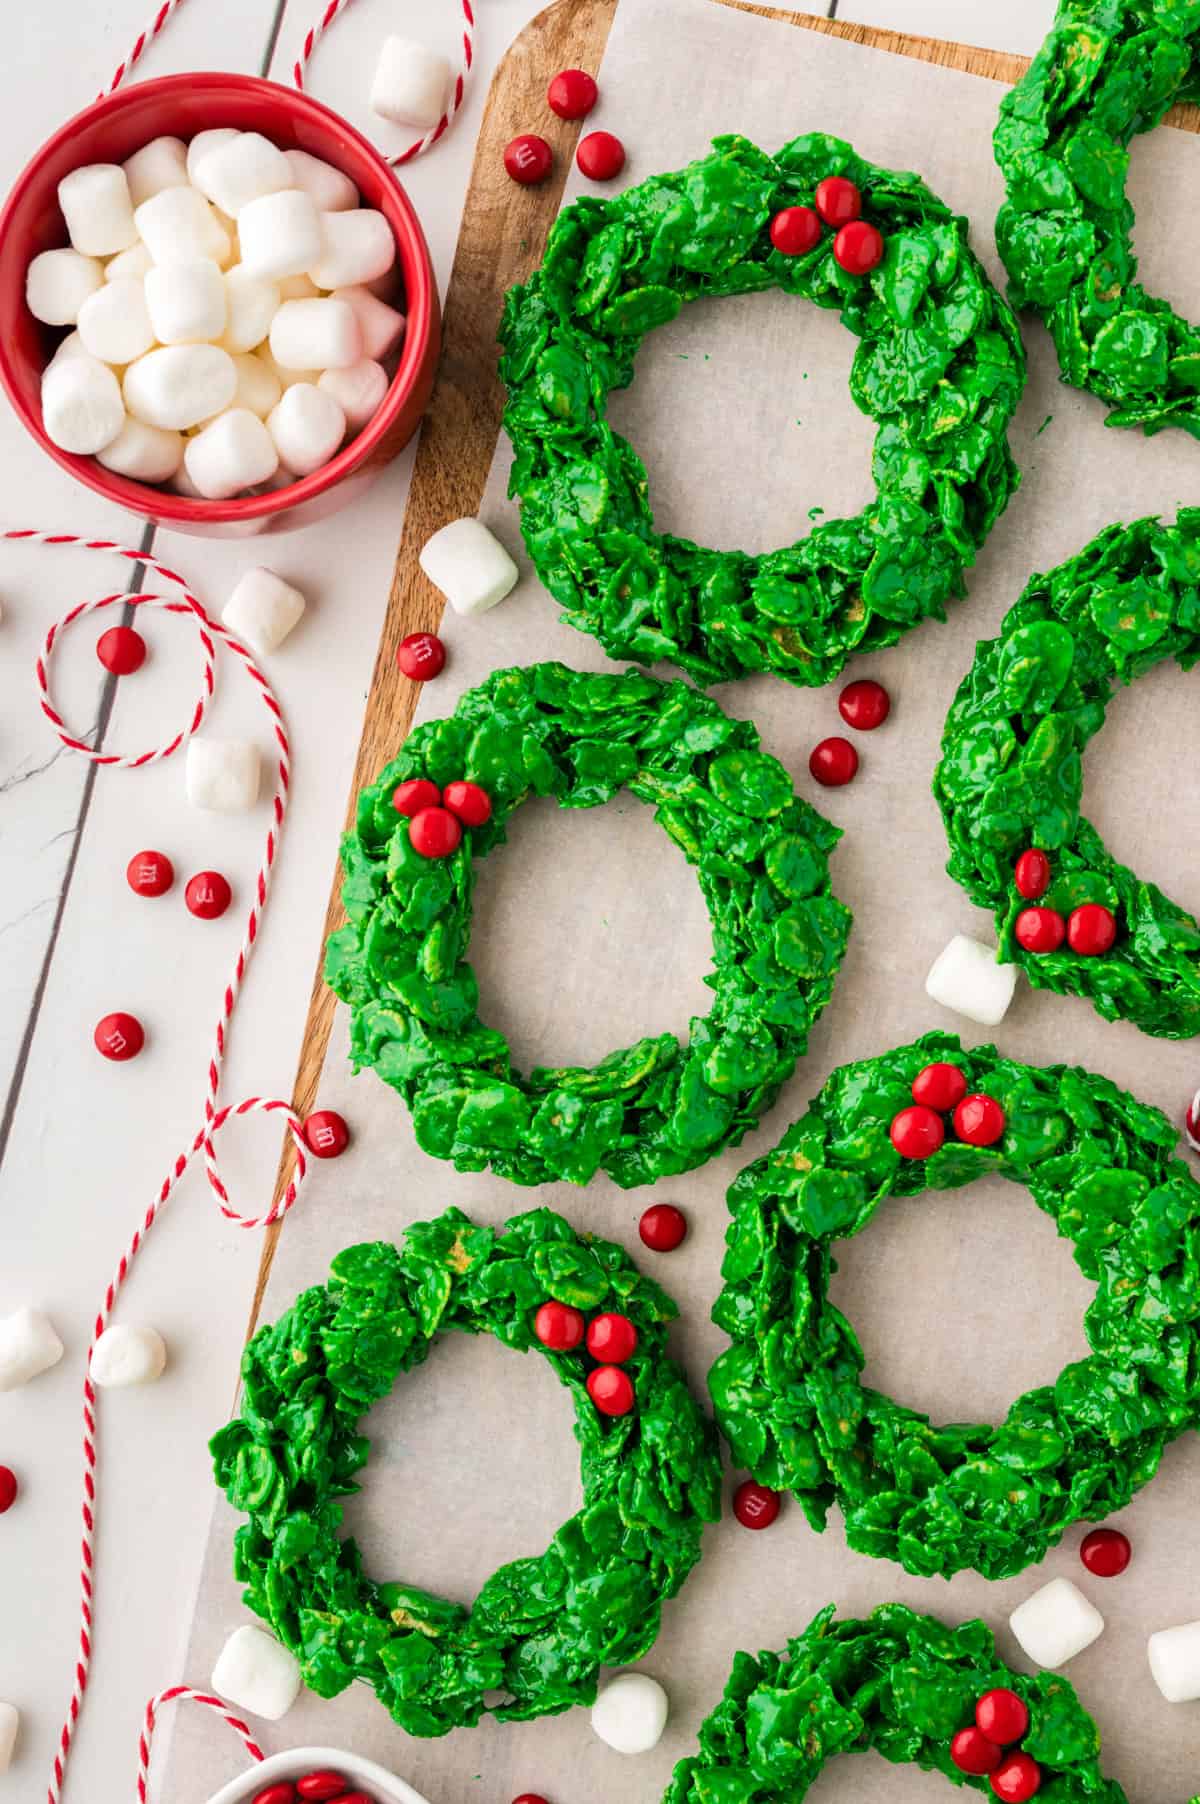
<point>867,1778</point>
<point>962,1300</point>
<point>589,932</point>
<point>473,1464</point>
<point>741,412</point>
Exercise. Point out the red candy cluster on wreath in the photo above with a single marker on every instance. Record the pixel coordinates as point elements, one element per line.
<point>940,1090</point>
<point>610,1340</point>
<point>436,817</point>
<point>837,203</point>
<point>1001,1720</point>
<point>1089,930</point>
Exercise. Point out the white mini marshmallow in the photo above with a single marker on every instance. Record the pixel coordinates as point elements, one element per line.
<point>355,247</point>
<point>222,774</point>
<point>307,426</point>
<point>206,142</point>
<point>133,262</point>
<point>82,409</point>
<point>71,346</point>
<point>258,387</point>
<point>262,610</point>
<point>251,303</point>
<point>358,390</point>
<point>257,1673</point>
<point>143,453</point>
<point>160,164</point>
<point>123,1356</point>
<point>57,283</point>
<point>280,234</point>
<point>1056,1623</point>
<point>411,84</point>
<point>469,565</point>
<point>114,323</point>
<point>316,335</point>
<point>1174,1656</point>
<point>382,327</point>
<point>240,170</point>
<point>178,226</point>
<point>180,385</point>
<point>329,190</point>
<point>630,1713</point>
<point>10,1728</point>
<point>186,302</point>
<point>28,1347</point>
<point>96,206</point>
<point>232,453</point>
<point>285,378</point>
<point>967,978</point>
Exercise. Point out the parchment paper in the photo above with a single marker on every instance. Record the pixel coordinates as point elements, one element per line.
<point>590,931</point>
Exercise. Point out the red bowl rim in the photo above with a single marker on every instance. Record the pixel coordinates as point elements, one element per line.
<point>419,300</point>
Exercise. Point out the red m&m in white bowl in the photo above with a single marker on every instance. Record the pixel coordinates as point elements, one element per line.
<point>305,1775</point>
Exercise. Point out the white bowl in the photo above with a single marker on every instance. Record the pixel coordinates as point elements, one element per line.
<point>361,1774</point>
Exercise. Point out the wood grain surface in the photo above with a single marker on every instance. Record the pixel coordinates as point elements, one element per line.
<point>502,239</point>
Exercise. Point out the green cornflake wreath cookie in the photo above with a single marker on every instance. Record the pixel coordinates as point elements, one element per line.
<point>788,1392</point>
<point>540,1628</point>
<point>939,367</point>
<point>1108,70</point>
<point>896,1682</point>
<point>1011,775</point>
<point>761,856</point>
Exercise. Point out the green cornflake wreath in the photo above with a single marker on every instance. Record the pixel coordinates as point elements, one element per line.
<point>940,367</point>
<point>761,856</point>
<point>541,1628</point>
<point>788,1392</point>
<point>897,1682</point>
<point>1108,70</point>
<point>1011,772</point>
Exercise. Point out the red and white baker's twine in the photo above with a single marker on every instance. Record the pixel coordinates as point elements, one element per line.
<point>141,44</point>
<point>215,1114</point>
<point>175,1694</point>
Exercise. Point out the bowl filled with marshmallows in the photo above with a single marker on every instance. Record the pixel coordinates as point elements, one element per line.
<point>218,307</point>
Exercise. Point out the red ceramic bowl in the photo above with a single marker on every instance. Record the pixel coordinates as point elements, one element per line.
<point>182,105</point>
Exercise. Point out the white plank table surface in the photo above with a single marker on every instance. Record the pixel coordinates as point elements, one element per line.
<point>83,1144</point>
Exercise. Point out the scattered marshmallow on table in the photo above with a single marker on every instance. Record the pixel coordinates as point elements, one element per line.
<point>222,774</point>
<point>233,452</point>
<point>329,190</point>
<point>1056,1623</point>
<point>358,390</point>
<point>125,1356</point>
<point>82,409</point>
<point>355,247</point>
<point>185,302</point>
<point>381,326</point>
<point>316,335</point>
<point>262,610</point>
<point>57,283</point>
<point>281,235</point>
<point>630,1713</point>
<point>160,164</point>
<point>307,426</point>
<point>10,1728</point>
<point>411,84</point>
<point>1174,1656</point>
<point>251,303</point>
<point>967,977</point>
<point>29,1346</point>
<point>469,565</point>
<point>242,169</point>
<point>180,385</point>
<point>114,323</point>
<point>96,206</point>
<point>257,1673</point>
<point>143,453</point>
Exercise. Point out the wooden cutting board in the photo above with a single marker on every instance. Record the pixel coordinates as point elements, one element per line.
<point>502,239</point>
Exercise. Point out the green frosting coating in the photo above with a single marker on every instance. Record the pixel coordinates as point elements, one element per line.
<point>1011,772</point>
<point>1108,70</point>
<point>939,366</point>
<point>540,1629</point>
<point>897,1682</point>
<point>761,856</point>
<point>788,1392</point>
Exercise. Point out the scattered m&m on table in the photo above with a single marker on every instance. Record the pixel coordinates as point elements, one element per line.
<point>1106,1552</point>
<point>150,873</point>
<point>864,705</point>
<point>834,762</point>
<point>755,1506</point>
<point>121,650</point>
<point>572,94</point>
<point>421,656</point>
<point>119,1037</point>
<point>8,1489</point>
<point>663,1227</point>
<point>528,159</point>
<point>207,895</point>
<point>326,1134</point>
<point>600,156</point>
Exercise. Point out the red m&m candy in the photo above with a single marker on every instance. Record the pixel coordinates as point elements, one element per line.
<point>530,1797</point>
<point>917,1132</point>
<point>435,832</point>
<point>8,1489</point>
<point>572,94</point>
<point>795,230</point>
<point>414,794</point>
<point>282,1792</point>
<point>979,1120</point>
<point>611,1390</point>
<point>1040,929</point>
<point>559,1327</point>
<point>207,895</point>
<point>838,200</point>
<point>663,1227</point>
<point>326,1134</point>
<point>833,762</point>
<point>1002,1716</point>
<point>472,805</point>
<point>755,1506</point>
<point>612,1338</point>
<point>319,1787</point>
<point>972,1752</point>
<point>939,1087</point>
<point>600,156</point>
<point>1031,874</point>
<point>121,650</point>
<point>528,159</point>
<point>864,705</point>
<point>1016,1779</point>
<point>858,247</point>
<point>119,1037</point>
<point>1091,929</point>
<point>421,656</point>
<point>149,873</point>
<point>1105,1552</point>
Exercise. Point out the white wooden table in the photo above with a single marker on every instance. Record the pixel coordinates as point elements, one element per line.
<point>83,1144</point>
